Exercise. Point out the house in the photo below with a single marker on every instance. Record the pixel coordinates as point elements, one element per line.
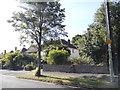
<point>34,50</point>
<point>74,50</point>
<point>23,50</point>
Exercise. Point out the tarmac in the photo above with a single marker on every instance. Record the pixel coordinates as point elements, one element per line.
<point>63,74</point>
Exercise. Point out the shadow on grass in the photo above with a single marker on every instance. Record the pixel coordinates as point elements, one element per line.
<point>91,82</point>
<point>85,81</point>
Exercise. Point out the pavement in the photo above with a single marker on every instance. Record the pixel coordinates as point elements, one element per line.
<point>8,80</point>
<point>85,75</point>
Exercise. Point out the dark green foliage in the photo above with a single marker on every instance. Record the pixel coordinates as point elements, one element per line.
<point>40,21</point>
<point>83,60</point>
<point>29,67</point>
<point>114,28</point>
<point>18,60</point>
<point>24,59</point>
<point>53,44</point>
<point>9,60</point>
<point>58,57</point>
<point>75,39</point>
<point>92,43</point>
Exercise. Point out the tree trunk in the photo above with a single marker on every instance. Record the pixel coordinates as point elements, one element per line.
<point>39,60</point>
<point>118,51</point>
<point>39,51</point>
<point>115,59</point>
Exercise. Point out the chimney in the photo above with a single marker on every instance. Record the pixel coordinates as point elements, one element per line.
<point>4,51</point>
<point>15,48</point>
<point>1,53</point>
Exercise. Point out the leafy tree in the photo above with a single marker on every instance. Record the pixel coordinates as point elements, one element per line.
<point>9,61</point>
<point>53,44</point>
<point>18,60</point>
<point>75,39</point>
<point>93,43</point>
<point>115,28</point>
<point>38,22</point>
<point>24,59</point>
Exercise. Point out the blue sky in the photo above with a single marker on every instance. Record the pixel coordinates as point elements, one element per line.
<point>78,16</point>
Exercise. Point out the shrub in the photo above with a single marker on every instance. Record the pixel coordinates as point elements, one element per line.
<point>81,60</point>
<point>17,60</point>
<point>57,57</point>
<point>29,67</point>
<point>9,60</point>
<point>24,59</point>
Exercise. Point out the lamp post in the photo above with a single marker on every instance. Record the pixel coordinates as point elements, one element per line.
<point>109,41</point>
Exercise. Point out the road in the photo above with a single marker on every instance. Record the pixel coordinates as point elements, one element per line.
<point>9,80</point>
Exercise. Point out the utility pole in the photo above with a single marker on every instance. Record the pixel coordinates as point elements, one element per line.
<point>109,41</point>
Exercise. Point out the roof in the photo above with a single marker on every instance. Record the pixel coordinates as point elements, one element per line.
<point>23,50</point>
<point>32,50</point>
<point>68,44</point>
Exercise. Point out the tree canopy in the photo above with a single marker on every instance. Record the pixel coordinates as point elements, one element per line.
<point>93,43</point>
<point>39,21</point>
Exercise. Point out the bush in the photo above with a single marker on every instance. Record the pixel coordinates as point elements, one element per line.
<point>9,60</point>
<point>24,59</point>
<point>17,60</point>
<point>29,67</point>
<point>57,57</point>
<point>81,60</point>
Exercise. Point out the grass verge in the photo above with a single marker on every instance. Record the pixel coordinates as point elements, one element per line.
<point>70,81</point>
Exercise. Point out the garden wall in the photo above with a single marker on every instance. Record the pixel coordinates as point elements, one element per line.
<point>76,69</point>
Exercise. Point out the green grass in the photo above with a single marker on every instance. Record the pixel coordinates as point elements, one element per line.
<point>71,81</point>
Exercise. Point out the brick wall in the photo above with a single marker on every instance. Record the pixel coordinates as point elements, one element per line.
<point>76,68</point>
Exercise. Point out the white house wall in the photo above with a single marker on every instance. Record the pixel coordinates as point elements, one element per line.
<point>75,53</point>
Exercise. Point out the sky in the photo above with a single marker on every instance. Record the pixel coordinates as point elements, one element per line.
<point>79,14</point>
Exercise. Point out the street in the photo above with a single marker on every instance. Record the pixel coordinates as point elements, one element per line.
<point>9,80</point>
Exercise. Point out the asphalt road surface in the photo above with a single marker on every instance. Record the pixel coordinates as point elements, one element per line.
<point>8,80</point>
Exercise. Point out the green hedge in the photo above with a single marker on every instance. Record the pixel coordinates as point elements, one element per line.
<point>18,59</point>
<point>57,57</point>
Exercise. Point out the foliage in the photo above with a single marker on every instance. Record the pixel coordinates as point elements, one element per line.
<point>95,43</point>
<point>114,27</point>
<point>1,56</point>
<point>42,17</point>
<point>8,59</point>
<point>92,43</point>
<point>29,67</point>
<point>59,47</point>
<point>81,60</point>
<point>18,60</point>
<point>39,22</point>
<point>58,57</point>
<point>75,39</point>
<point>24,59</point>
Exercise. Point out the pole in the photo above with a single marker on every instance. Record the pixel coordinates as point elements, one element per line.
<point>109,38</point>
